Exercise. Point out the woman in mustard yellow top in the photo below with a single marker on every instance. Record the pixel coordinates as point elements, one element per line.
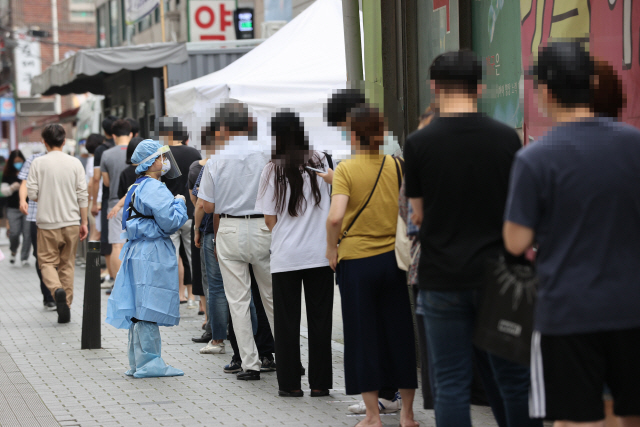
<point>378,327</point>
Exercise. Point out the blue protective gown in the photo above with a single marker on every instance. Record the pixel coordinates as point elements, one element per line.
<point>146,287</point>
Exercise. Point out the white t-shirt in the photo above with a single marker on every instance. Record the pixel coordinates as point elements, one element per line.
<point>297,243</point>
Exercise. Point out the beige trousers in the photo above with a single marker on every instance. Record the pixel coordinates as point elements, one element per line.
<point>57,256</point>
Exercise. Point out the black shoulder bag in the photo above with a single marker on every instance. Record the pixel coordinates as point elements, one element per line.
<point>344,234</point>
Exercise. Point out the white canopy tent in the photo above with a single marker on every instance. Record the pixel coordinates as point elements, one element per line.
<point>297,68</point>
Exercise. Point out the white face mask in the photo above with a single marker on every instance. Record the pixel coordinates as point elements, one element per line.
<point>166,166</point>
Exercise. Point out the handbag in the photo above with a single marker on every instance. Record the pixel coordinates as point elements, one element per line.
<point>344,234</point>
<point>505,320</point>
<point>403,244</point>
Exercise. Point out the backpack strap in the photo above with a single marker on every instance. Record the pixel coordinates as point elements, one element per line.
<point>136,213</point>
<point>344,234</point>
<point>329,159</point>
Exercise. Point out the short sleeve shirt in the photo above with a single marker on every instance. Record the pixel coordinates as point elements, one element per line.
<point>298,242</point>
<point>232,182</point>
<point>114,162</point>
<point>374,232</point>
<point>577,188</point>
<point>460,167</point>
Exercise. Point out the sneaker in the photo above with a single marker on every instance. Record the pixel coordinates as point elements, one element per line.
<point>268,365</point>
<point>191,304</point>
<point>64,314</point>
<point>25,263</point>
<point>50,305</point>
<point>107,284</point>
<point>12,259</point>
<point>233,367</point>
<point>386,406</point>
<point>213,349</point>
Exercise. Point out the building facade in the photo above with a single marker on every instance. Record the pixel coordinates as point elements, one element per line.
<point>38,39</point>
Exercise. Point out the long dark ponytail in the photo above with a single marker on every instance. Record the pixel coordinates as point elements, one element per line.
<point>290,156</point>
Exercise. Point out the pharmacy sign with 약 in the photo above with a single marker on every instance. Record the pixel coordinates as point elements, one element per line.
<point>211,20</point>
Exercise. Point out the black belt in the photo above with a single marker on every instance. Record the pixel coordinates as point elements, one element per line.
<point>242,216</point>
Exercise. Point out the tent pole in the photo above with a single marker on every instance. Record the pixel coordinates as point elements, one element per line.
<point>164,69</point>
<point>352,45</point>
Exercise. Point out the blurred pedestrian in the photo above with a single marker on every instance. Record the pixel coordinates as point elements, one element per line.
<point>295,202</point>
<point>173,133</point>
<point>361,228</point>
<point>58,184</point>
<point>113,163</point>
<point>18,225</point>
<point>99,205</point>
<point>135,127</point>
<point>93,142</point>
<point>149,272</point>
<point>457,175</point>
<point>229,188</point>
<point>574,194</point>
<point>30,209</point>
<point>336,112</point>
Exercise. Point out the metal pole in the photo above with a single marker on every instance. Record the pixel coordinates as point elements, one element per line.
<point>91,321</point>
<point>352,45</point>
<point>56,47</point>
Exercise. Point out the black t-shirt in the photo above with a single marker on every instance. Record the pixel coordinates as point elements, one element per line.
<point>97,158</point>
<point>184,156</point>
<point>460,167</point>
<point>127,179</point>
<point>13,201</point>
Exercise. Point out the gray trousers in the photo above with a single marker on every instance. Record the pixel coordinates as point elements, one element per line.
<point>19,226</point>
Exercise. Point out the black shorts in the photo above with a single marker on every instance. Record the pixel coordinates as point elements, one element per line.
<point>569,374</point>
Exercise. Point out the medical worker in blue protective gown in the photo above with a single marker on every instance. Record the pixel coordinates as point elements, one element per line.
<point>145,294</point>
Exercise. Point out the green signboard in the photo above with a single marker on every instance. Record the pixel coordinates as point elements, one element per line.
<point>496,38</point>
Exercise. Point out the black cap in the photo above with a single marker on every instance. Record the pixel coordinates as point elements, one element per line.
<point>567,69</point>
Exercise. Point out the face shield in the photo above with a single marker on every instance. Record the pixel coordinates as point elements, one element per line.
<point>170,169</point>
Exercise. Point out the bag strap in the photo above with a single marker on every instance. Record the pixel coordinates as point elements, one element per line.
<point>399,170</point>
<point>344,234</point>
<point>136,213</point>
<point>329,159</point>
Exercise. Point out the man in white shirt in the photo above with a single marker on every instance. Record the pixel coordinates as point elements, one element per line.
<point>229,188</point>
<point>57,182</point>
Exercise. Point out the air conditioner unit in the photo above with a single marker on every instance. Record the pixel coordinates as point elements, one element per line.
<point>37,107</point>
<point>269,28</point>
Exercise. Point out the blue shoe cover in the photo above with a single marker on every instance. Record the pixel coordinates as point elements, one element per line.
<point>146,349</point>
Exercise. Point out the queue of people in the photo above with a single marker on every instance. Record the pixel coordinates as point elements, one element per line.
<point>260,227</point>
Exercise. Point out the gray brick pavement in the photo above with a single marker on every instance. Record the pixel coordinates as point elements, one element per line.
<point>51,380</point>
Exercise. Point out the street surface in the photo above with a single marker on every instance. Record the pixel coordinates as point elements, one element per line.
<point>47,380</point>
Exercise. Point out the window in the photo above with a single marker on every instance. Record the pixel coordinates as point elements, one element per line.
<point>113,24</point>
<point>82,11</point>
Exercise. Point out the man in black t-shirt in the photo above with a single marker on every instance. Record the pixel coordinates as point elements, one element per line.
<point>457,175</point>
<point>174,134</point>
<point>94,187</point>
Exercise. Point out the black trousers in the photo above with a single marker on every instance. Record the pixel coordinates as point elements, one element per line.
<point>379,343</point>
<point>46,295</point>
<point>264,337</point>
<point>318,293</point>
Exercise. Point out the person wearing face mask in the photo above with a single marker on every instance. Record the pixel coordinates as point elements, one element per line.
<point>145,294</point>
<point>174,134</point>
<point>17,220</point>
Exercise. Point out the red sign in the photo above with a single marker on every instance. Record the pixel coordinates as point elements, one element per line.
<point>439,4</point>
<point>211,20</point>
<point>611,27</point>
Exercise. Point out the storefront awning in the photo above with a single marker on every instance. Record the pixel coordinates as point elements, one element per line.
<point>84,71</point>
<point>64,117</point>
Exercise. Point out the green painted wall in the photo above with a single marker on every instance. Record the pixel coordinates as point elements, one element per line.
<point>496,38</point>
<point>372,28</point>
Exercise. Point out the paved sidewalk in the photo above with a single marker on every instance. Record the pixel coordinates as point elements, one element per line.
<point>46,380</point>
